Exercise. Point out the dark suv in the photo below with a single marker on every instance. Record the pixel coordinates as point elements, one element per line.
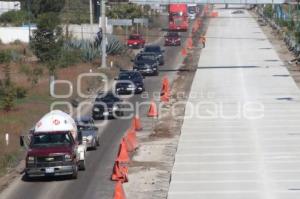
<point>129,82</point>
<point>156,49</point>
<point>106,106</point>
<point>146,64</point>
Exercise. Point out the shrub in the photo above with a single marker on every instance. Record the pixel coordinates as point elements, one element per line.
<point>15,18</point>
<point>15,56</point>
<point>89,50</point>
<point>17,42</point>
<point>5,56</point>
<point>268,11</point>
<point>69,57</point>
<point>297,36</point>
<point>33,73</point>
<point>20,92</point>
<point>8,98</point>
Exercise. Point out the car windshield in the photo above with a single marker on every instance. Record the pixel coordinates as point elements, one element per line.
<point>125,76</point>
<point>51,139</point>
<point>84,126</point>
<point>107,98</point>
<point>172,34</point>
<point>176,14</point>
<point>152,49</point>
<point>134,37</point>
<point>146,57</point>
<point>88,133</point>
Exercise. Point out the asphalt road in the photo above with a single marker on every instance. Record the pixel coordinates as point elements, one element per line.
<point>94,182</point>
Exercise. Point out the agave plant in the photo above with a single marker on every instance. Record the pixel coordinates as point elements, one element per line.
<point>89,50</point>
<point>114,45</point>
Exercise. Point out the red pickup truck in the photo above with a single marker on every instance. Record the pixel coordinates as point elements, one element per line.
<point>136,41</point>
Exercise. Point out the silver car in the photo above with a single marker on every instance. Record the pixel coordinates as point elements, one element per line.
<point>89,131</point>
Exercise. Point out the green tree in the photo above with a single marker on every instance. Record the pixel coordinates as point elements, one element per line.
<point>16,18</point>
<point>47,40</point>
<point>38,7</point>
<point>125,11</point>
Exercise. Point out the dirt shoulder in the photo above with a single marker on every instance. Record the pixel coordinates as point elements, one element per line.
<point>285,55</point>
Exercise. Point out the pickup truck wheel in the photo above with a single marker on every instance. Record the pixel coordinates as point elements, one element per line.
<point>27,177</point>
<point>82,165</point>
<point>75,173</point>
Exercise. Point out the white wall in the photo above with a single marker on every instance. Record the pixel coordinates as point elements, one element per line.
<point>85,31</point>
<point>10,34</point>
<point>9,5</point>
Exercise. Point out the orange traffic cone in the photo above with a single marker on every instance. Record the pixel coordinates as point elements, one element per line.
<point>119,191</point>
<point>152,110</point>
<point>214,14</point>
<point>131,140</point>
<point>129,143</point>
<point>183,52</point>
<point>165,85</point>
<point>118,175</point>
<point>123,156</point>
<point>165,97</point>
<point>136,123</point>
<point>189,43</point>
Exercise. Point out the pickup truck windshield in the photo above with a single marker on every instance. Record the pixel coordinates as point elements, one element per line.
<point>51,139</point>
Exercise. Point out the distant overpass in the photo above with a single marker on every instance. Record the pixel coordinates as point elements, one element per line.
<point>164,2</point>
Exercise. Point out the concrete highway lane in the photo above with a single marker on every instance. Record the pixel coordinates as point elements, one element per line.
<point>241,139</point>
<point>95,181</point>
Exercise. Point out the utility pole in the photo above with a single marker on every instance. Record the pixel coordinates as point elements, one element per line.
<point>91,12</point>
<point>29,18</point>
<point>68,18</point>
<point>103,26</point>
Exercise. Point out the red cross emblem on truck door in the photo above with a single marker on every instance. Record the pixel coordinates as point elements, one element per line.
<point>39,124</point>
<point>56,122</point>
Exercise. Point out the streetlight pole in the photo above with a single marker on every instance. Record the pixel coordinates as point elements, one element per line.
<point>103,25</point>
<point>91,12</point>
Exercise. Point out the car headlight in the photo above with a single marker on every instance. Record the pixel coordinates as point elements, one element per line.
<point>68,157</point>
<point>130,86</point>
<point>96,109</point>
<point>30,159</point>
<point>115,108</point>
<point>89,138</point>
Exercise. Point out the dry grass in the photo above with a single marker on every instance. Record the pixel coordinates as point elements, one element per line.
<point>27,111</point>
